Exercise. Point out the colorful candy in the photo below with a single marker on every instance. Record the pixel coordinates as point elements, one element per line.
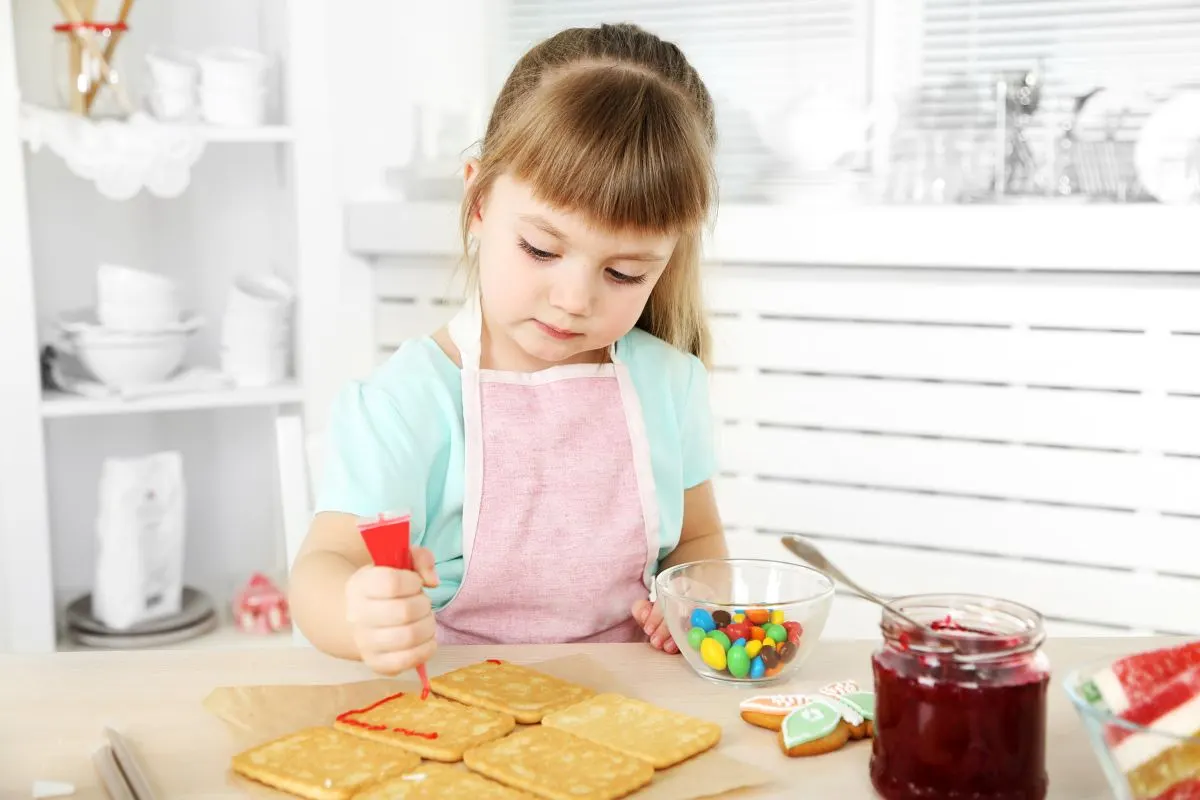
<point>712,653</point>
<point>757,670</point>
<point>751,643</point>
<point>738,662</point>
<point>776,632</point>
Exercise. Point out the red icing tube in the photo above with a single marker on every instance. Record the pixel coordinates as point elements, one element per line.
<point>387,542</point>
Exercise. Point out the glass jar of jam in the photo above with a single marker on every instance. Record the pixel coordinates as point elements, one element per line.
<point>961,701</point>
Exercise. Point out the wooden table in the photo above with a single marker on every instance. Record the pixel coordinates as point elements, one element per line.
<point>53,709</point>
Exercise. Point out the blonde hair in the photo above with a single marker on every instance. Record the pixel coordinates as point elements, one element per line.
<point>614,123</point>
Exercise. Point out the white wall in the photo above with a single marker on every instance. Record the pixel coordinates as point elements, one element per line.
<point>388,59</point>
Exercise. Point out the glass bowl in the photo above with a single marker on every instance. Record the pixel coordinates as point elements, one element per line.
<point>1139,763</point>
<point>722,612</point>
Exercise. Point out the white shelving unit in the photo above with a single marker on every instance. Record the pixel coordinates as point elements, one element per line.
<point>260,199</point>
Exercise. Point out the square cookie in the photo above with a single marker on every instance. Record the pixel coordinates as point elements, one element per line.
<point>557,765</point>
<point>524,693</point>
<point>433,781</point>
<point>435,728</point>
<point>322,763</point>
<point>658,736</point>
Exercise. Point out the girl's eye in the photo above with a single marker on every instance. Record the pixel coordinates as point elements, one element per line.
<point>621,277</point>
<point>540,255</point>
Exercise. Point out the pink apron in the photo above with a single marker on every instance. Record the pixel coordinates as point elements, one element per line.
<point>560,519</point>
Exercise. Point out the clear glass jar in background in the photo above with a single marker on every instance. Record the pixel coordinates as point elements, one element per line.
<point>77,71</point>
<point>961,704</point>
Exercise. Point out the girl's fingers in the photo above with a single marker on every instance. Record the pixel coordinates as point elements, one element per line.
<point>425,566</point>
<point>654,621</point>
<point>640,610</point>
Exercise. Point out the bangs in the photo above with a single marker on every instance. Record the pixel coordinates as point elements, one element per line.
<point>615,144</point>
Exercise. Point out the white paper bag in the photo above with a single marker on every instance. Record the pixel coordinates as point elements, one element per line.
<point>139,540</point>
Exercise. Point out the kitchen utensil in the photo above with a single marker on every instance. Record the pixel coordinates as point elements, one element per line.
<point>387,541</point>
<point>798,593</point>
<point>808,552</point>
<point>127,359</point>
<point>131,766</point>
<point>110,50</point>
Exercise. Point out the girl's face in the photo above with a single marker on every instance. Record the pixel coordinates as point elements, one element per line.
<point>555,289</point>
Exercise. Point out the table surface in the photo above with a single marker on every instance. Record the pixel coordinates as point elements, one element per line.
<point>53,709</point>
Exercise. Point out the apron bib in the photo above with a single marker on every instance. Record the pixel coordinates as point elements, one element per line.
<point>560,518</point>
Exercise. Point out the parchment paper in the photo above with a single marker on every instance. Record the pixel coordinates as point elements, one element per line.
<point>256,714</point>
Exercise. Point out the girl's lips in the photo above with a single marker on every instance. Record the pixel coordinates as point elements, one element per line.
<point>557,333</point>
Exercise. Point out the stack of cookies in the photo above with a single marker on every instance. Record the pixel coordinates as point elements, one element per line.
<point>520,733</point>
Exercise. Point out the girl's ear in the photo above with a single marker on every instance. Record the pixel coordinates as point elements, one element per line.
<point>470,175</point>
<point>470,172</point>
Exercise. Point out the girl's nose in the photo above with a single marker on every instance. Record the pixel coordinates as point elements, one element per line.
<point>572,293</point>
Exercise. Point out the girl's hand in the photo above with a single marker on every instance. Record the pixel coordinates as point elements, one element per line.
<point>393,621</point>
<point>650,617</point>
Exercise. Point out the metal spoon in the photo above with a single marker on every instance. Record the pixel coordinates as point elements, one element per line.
<point>808,552</point>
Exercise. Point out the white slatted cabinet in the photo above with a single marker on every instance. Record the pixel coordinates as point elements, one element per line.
<point>1007,431</point>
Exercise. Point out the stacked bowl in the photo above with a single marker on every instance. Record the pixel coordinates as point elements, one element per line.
<point>256,330</point>
<point>136,335</point>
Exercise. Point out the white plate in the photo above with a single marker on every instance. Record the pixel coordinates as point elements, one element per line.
<point>83,320</point>
<point>140,641</point>
<point>1167,141</point>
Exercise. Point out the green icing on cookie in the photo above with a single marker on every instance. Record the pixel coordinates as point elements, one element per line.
<point>861,702</point>
<point>810,722</point>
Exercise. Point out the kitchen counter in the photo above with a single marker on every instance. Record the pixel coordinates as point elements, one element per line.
<point>53,709</point>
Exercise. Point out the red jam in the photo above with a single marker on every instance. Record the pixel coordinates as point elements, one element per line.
<point>966,723</point>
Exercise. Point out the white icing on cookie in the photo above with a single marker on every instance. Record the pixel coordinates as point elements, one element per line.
<point>776,704</point>
<point>852,717</point>
<point>840,688</point>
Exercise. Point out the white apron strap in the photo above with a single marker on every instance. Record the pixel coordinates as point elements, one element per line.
<point>465,330</point>
<point>643,464</point>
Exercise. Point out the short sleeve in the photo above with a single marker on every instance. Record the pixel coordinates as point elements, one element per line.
<point>371,464</point>
<point>696,431</point>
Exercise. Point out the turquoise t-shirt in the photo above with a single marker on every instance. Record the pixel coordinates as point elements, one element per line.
<point>396,443</point>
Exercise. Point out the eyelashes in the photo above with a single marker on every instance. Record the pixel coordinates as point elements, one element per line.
<point>544,256</point>
<point>538,255</point>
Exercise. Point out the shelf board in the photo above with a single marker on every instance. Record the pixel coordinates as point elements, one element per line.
<point>262,133</point>
<point>60,404</point>
<point>224,637</point>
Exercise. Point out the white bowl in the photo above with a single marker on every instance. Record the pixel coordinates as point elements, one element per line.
<point>172,69</point>
<point>124,360</point>
<point>233,108</point>
<point>121,285</point>
<point>172,104</point>
<point>232,67</point>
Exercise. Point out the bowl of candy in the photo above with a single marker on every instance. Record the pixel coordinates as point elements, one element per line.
<point>1141,714</point>
<point>744,621</point>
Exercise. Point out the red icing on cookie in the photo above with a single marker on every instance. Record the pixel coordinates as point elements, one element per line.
<point>347,718</point>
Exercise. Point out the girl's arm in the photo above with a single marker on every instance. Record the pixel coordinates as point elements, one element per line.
<point>351,609</point>
<point>702,534</point>
<point>331,553</point>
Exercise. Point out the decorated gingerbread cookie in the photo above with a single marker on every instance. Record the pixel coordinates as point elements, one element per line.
<point>814,728</point>
<point>768,711</point>
<point>859,707</point>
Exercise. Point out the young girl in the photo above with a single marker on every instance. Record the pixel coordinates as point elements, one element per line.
<point>553,443</point>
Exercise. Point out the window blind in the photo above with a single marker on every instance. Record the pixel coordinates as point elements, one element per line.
<point>755,56</point>
<point>1144,49</point>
